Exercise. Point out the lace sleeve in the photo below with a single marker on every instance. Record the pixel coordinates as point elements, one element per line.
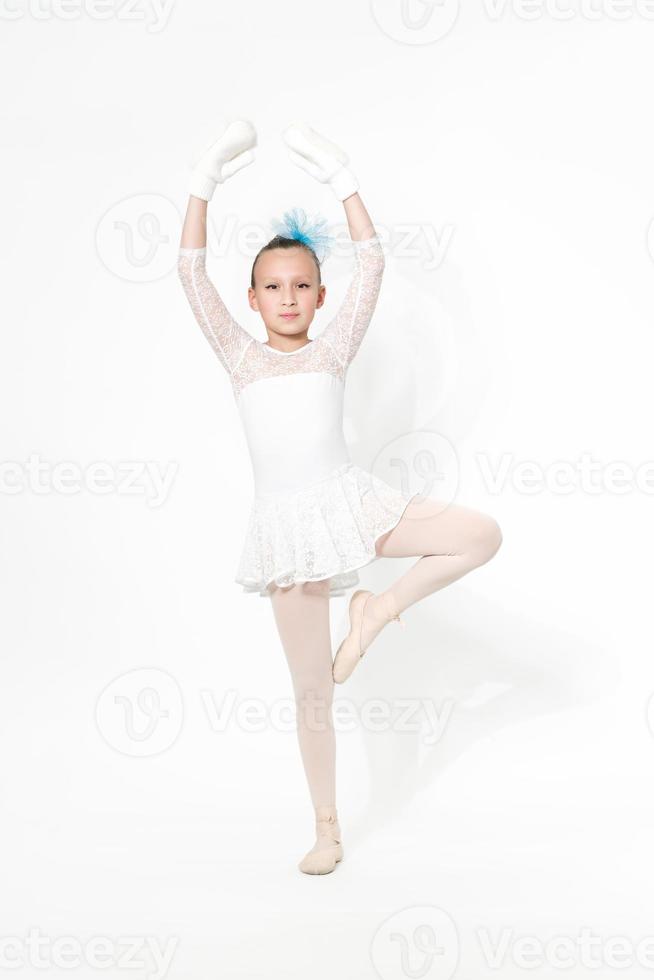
<point>226,336</point>
<point>346,331</point>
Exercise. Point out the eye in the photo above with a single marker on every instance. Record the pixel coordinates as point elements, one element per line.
<point>273,285</point>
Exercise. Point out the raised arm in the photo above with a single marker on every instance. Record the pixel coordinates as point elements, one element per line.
<point>227,337</point>
<point>228,154</point>
<point>347,329</point>
<point>327,162</point>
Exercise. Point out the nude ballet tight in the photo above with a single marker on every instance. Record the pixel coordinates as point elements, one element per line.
<point>449,541</point>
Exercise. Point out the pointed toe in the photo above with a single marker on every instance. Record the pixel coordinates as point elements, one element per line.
<point>349,652</point>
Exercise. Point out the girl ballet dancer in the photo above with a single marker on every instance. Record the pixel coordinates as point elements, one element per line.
<point>316,517</point>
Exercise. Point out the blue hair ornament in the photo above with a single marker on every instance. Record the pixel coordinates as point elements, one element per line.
<point>295,224</point>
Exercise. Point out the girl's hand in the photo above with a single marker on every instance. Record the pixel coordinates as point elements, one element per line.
<point>321,158</point>
<point>229,154</point>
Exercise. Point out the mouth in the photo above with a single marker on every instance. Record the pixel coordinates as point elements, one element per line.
<point>289,316</point>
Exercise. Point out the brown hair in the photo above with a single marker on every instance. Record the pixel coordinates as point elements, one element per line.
<point>280,241</point>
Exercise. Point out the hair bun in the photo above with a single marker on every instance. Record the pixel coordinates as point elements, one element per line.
<point>295,224</point>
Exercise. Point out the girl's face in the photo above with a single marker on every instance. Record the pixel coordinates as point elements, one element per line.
<point>286,282</point>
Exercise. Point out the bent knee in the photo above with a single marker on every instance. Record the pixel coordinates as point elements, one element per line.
<point>487,537</point>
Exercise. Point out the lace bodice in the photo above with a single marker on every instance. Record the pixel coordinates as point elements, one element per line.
<point>315,515</point>
<point>247,359</point>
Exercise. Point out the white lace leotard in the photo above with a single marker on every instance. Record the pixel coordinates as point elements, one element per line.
<point>315,514</point>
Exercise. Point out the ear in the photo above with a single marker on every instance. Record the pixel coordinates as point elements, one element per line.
<point>252,299</point>
<point>321,296</point>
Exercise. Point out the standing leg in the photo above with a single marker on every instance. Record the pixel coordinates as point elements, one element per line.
<point>302,616</point>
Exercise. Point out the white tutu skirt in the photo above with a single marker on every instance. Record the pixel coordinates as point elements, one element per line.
<point>325,530</point>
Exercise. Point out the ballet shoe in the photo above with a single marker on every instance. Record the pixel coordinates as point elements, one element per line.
<point>328,850</point>
<point>350,651</point>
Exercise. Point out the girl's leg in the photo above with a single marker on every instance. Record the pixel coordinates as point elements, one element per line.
<point>450,539</point>
<point>302,616</point>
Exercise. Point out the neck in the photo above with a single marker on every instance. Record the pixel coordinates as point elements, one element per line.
<point>288,344</point>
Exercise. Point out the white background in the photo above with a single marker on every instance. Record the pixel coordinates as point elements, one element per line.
<point>523,144</point>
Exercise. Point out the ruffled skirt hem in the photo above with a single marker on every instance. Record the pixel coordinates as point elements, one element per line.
<point>326,530</point>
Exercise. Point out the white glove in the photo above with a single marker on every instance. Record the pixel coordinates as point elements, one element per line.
<point>321,158</point>
<point>229,154</point>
